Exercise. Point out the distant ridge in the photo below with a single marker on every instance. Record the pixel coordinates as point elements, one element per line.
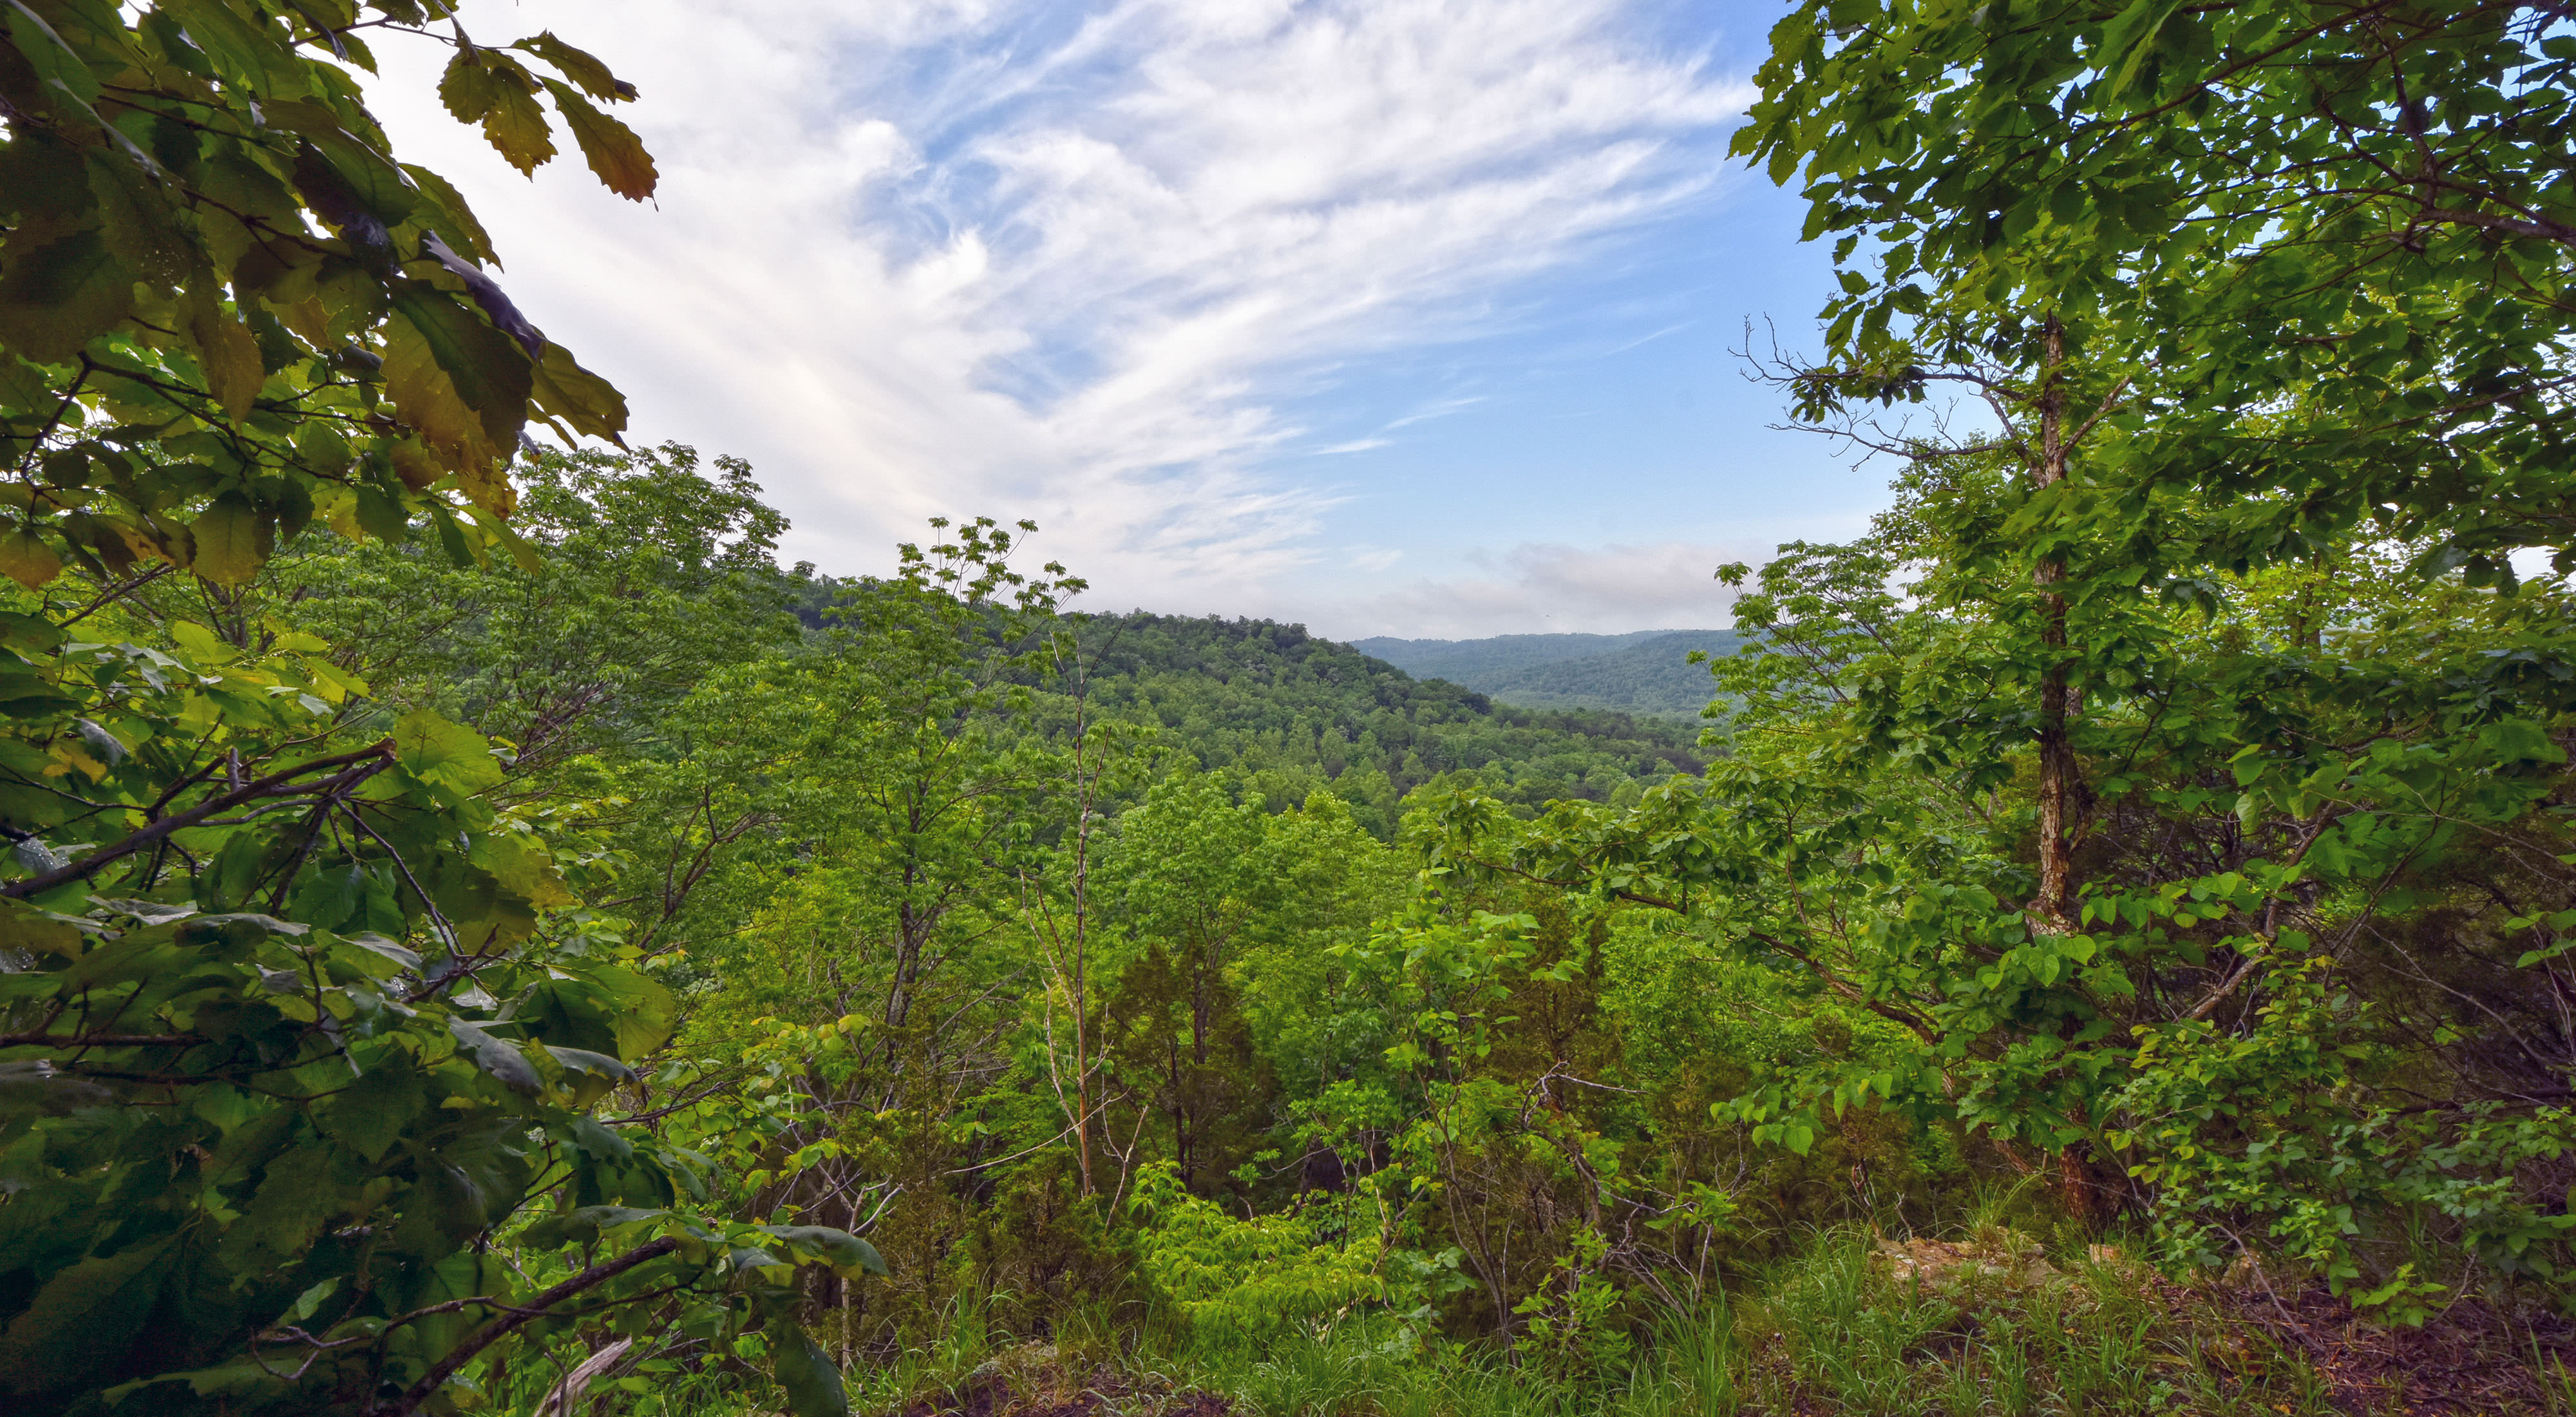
<point>1643,672</point>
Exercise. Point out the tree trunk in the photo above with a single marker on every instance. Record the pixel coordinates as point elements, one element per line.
<point>2058,774</point>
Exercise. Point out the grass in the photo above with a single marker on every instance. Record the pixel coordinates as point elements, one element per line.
<point>1834,1331</point>
<point>1986,1325</point>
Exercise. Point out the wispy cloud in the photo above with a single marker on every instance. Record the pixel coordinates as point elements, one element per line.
<point>1441,409</point>
<point>918,258</point>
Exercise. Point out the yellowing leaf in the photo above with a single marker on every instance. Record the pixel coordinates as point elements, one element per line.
<point>611,148</point>
<point>228,354</point>
<point>583,402</point>
<point>523,866</point>
<point>427,400</point>
<point>578,65</point>
<point>26,559</point>
<point>414,464</point>
<point>227,537</point>
<point>467,88</point>
<point>514,123</point>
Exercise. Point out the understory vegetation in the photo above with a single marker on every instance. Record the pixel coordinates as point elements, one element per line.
<point>479,935</point>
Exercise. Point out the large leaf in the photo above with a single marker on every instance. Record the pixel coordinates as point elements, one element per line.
<point>59,297</point>
<point>805,1372</point>
<point>227,536</point>
<point>448,215</point>
<point>82,1318</point>
<point>512,119</point>
<point>26,559</point>
<point>611,148</point>
<point>462,383</point>
<point>843,1250</point>
<point>447,756</point>
<point>496,1056</point>
<point>578,65</point>
<point>228,354</point>
<point>585,403</point>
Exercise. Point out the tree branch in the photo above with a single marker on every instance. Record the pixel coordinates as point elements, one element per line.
<point>280,784</point>
<point>510,1323</point>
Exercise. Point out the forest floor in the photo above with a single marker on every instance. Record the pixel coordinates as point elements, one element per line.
<point>1862,1325</point>
<point>2472,1357</point>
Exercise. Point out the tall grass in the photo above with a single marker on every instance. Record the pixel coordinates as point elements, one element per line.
<point>1837,1329</point>
<point>1830,1331</point>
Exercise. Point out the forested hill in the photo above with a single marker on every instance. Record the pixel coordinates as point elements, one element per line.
<point>1644,672</point>
<point>1293,712</point>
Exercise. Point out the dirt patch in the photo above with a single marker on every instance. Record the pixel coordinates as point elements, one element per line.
<point>1102,1394</point>
<point>1998,1259</point>
<point>2473,1357</point>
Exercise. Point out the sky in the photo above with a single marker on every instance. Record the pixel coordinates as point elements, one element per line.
<point>1408,317</point>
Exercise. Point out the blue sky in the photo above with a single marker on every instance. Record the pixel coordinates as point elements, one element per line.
<point>1409,317</point>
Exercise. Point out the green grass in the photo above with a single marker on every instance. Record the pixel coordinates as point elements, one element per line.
<point>1838,1329</point>
<point>1831,1331</point>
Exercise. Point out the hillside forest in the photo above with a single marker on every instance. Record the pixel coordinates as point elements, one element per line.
<point>479,935</point>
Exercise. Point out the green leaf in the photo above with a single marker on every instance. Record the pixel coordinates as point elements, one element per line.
<point>843,1250</point>
<point>298,1194</point>
<point>246,52</point>
<point>812,1384</point>
<point>365,175</point>
<point>466,87</point>
<point>583,1226</point>
<point>590,1076</point>
<point>369,1115</point>
<point>24,927</point>
<point>33,1086</point>
<point>82,1318</point>
<point>23,386</point>
<point>56,64</point>
<point>495,1056</point>
<point>450,216</point>
<point>449,757</point>
<point>582,401</point>
<point>58,297</point>
<point>231,874</point>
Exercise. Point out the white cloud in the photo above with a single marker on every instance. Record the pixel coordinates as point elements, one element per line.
<point>1539,588</point>
<point>921,258</point>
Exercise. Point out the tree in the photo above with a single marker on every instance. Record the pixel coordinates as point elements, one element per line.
<point>2321,250</point>
<point>227,311</point>
<point>293,1043</point>
<point>2243,296</point>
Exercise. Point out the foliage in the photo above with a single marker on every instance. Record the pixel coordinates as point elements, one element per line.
<point>1255,1276</point>
<point>2178,762</point>
<point>2311,260</point>
<point>229,313</point>
<point>1292,714</point>
<point>439,979</point>
<point>305,1039</point>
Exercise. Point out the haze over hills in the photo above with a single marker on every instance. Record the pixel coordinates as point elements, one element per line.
<point>1642,672</point>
